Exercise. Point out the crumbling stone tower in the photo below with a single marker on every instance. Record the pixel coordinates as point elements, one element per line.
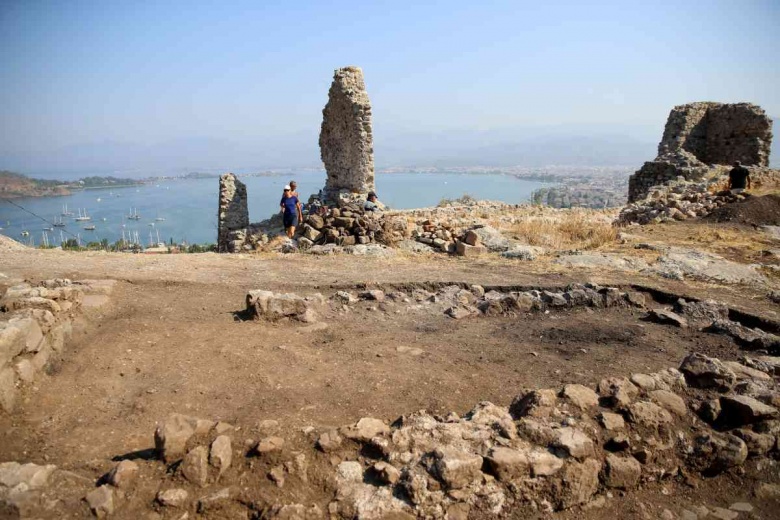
<point>233,214</point>
<point>346,140</point>
<point>703,139</point>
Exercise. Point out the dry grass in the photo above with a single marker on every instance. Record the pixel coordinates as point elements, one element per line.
<point>566,229</point>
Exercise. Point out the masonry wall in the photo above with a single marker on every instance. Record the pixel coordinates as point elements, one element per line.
<point>701,139</point>
<point>346,136</point>
<point>233,214</point>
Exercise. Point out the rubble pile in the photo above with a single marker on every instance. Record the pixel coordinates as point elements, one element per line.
<point>349,225</point>
<point>677,200</point>
<point>35,323</point>
<point>551,449</point>
<point>465,238</point>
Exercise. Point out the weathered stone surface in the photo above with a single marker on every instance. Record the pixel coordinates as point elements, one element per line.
<point>730,452</point>
<point>329,441</point>
<point>543,463</point>
<point>617,391</point>
<point>232,214</point>
<point>171,436</point>
<point>346,140</point>
<point>536,403</point>
<point>705,372</point>
<point>215,501</point>
<point>32,476</point>
<point>643,381</point>
<point>101,501</point>
<point>176,497</point>
<point>621,472</point>
<point>574,442</point>
<point>612,421</point>
<point>123,474</point>
<point>269,445</point>
<point>578,484</point>
<point>741,409</point>
<point>365,429</point>
<point>195,466</point>
<point>508,464</point>
<point>670,401</point>
<point>387,473</point>
<point>12,342</point>
<point>580,396</point>
<point>757,443</point>
<point>743,372</point>
<point>455,468</point>
<point>648,414</point>
<point>668,317</point>
<point>463,249</point>
<point>271,306</point>
<point>221,454</point>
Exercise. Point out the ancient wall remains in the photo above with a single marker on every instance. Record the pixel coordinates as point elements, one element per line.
<point>233,215</point>
<point>35,324</point>
<point>701,139</point>
<point>346,140</point>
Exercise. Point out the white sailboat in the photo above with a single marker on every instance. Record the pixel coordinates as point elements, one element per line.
<point>65,212</point>
<point>82,217</point>
<point>134,214</point>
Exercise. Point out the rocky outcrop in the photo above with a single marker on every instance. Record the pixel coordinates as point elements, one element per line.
<point>702,141</point>
<point>346,140</point>
<point>233,214</point>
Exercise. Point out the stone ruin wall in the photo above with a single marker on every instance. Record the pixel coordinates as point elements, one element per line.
<point>570,447</point>
<point>346,139</point>
<point>36,322</point>
<point>703,140</point>
<point>233,214</point>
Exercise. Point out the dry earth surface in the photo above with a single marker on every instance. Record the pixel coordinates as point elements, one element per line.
<point>173,338</point>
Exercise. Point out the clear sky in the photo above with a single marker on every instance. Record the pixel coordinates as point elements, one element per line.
<point>254,73</point>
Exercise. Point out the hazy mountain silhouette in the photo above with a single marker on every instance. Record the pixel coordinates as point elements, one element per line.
<point>519,146</point>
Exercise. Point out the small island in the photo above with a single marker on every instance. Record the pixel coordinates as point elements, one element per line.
<point>15,185</point>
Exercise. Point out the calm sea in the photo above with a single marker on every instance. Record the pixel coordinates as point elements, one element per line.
<point>189,207</point>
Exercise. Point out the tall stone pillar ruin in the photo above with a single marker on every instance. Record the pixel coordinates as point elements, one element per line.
<point>233,214</point>
<point>346,140</point>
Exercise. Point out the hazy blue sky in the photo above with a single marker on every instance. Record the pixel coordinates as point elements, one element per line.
<point>256,74</point>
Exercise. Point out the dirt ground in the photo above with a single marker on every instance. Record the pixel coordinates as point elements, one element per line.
<point>172,339</point>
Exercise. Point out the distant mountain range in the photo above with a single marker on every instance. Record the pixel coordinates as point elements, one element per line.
<point>529,147</point>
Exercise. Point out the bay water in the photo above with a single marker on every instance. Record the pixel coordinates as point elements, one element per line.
<point>185,210</point>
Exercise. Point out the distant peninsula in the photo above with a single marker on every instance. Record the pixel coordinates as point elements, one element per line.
<point>15,185</point>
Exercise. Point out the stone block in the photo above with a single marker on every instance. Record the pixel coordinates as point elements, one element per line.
<point>463,249</point>
<point>12,342</point>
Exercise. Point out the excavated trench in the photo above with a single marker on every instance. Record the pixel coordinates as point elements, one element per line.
<point>363,356</point>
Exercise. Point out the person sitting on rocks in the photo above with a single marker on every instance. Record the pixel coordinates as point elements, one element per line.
<point>371,202</point>
<point>291,211</point>
<point>739,178</point>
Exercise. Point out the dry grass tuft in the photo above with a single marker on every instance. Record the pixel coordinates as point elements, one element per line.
<point>570,229</point>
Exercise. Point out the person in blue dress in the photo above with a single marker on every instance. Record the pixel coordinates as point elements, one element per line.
<point>291,211</point>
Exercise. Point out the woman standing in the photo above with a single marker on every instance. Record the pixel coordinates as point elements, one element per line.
<point>291,211</point>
